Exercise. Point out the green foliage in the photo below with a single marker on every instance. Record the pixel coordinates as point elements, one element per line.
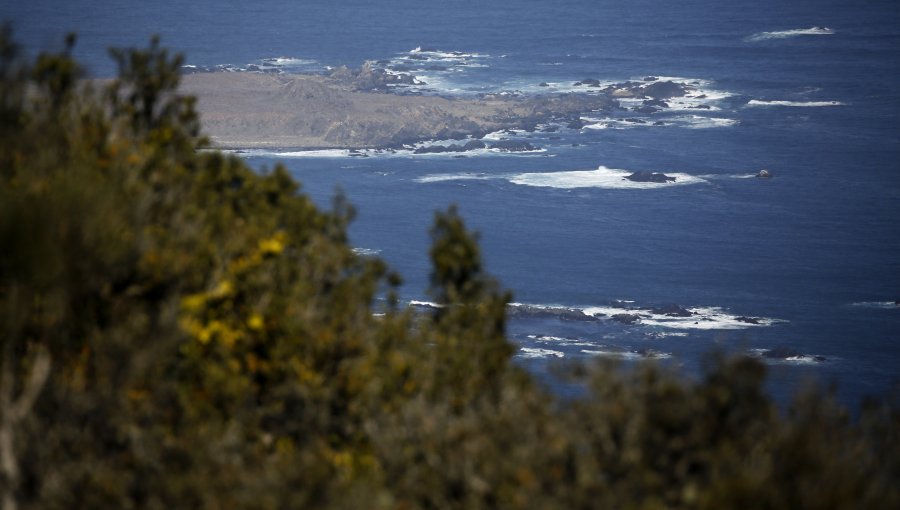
<point>181,331</point>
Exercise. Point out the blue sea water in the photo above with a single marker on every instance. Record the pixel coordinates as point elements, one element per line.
<point>807,89</point>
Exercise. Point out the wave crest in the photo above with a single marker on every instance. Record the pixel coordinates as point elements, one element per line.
<point>784,34</point>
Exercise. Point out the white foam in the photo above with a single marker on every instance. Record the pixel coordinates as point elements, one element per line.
<point>706,319</point>
<point>536,352</point>
<point>802,104</point>
<point>602,177</point>
<point>886,305</point>
<point>701,122</point>
<point>701,318</point>
<point>452,177</point>
<point>614,123</point>
<point>366,252</point>
<point>666,334</point>
<point>288,61</point>
<point>560,340</point>
<point>426,304</point>
<point>323,153</point>
<point>784,34</point>
<point>627,355</point>
<point>445,55</point>
<point>503,134</point>
<point>796,359</point>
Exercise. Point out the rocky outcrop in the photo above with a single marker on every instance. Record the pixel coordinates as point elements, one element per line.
<point>349,109</point>
<point>648,176</point>
<point>369,78</point>
<point>626,318</point>
<point>672,311</point>
<point>443,149</point>
<point>663,90</point>
<point>540,312</point>
<point>513,146</point>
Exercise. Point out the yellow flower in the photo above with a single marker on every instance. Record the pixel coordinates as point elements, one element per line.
<point>273,245</point>
<point>193,302</point>
<point>255,322</point>
<point>223,289</point>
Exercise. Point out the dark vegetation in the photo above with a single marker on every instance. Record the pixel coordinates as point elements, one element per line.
<point>179,331</point>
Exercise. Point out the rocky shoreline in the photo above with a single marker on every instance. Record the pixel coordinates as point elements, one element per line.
<point>355,109</point>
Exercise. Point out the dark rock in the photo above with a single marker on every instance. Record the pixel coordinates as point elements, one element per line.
<point>576,124</point>
<point>543,84</point>
<point>537,312</point>
<point>780,353</point>
<point>473,145</point>
<point>659,123</point>
<point>635,121</point>
<point>701,107</point>
<point>650,353</point>
<point>441,149</point>
<point>672,311</point>
<point>590,82</point>
<point>513,146</point>
<point>785,353</point>
<point>626,318</point>
<point>650,78</point>
<point>438,149</point>
<point>663,90</point>
<point>645,109</point>
<point>648,176</point>
<point>656,102</point>
<point>748,320</point>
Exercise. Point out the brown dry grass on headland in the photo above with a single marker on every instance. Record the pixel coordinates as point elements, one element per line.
<point>249,110</point>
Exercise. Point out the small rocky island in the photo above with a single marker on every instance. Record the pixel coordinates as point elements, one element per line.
<point>648,176</point>
<point>356,109</point>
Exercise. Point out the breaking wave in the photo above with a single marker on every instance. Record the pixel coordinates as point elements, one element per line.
<point>602,177</point>
<point>808,104</point>
<point>670,317</point>
<point>784,34</point>
<point>884,305</point>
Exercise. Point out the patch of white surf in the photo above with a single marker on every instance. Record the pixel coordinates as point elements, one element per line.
<point>366,252</point>
<point>884,305</point>
<point>272,153</point>
<point>702,122</point>
<point>426,179</point>
<point>667,318</point>
<point>682,121</point>
<point>784,34</point>
<point>699,318</point>
<point>602,177</point>
<point>537,352</point>
<point>800,104</point>
<point>558,340</point>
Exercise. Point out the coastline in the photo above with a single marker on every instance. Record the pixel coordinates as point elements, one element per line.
<point>304,111</point>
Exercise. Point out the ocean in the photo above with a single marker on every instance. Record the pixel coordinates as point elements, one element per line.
<point>801,269</point>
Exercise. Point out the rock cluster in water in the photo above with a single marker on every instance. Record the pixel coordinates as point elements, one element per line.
<point>648,176</point>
